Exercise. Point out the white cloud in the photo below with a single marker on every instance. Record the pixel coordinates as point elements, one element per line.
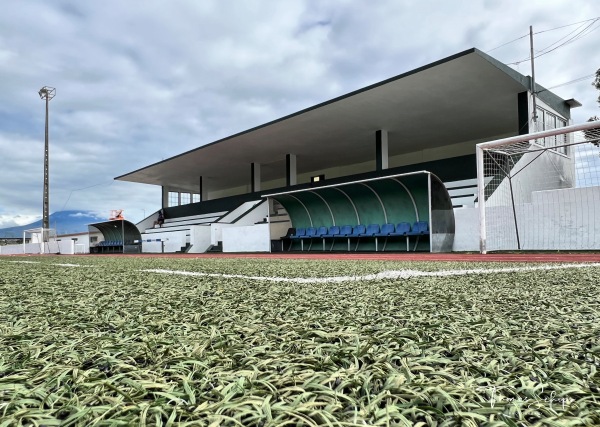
<point>17,220</point>
<point>141,81</point>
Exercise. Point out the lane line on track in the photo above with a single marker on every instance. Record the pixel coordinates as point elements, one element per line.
<point>391,274</point>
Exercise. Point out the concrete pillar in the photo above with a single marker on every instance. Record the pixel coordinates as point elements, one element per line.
<point>381,150</point>
<point>255,176</point>
<point>291,176</point>
<point>165,197</point>
<point>203,189</point>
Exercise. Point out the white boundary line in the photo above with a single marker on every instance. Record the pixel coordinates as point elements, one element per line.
<point>384,275</point>
<point>392,274</point>
<point>57,264</point>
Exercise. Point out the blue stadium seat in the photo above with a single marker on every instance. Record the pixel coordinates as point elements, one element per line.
<point>402,229</point>
<point>387,230</point>
<point>321,231</point>
<point>357,231</point>
<point>345,230</point>
<point>332,233</point>
<point>298,233</point>
<point>371,231</point>
<point>420,228</point>
<point>311,232</point>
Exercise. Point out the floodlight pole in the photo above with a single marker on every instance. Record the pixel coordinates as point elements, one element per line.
<point>46,93</point>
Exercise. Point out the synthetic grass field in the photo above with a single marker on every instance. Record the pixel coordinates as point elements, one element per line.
<point>102,341</point>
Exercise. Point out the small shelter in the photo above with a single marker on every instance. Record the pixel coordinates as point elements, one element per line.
<point>118,236</point>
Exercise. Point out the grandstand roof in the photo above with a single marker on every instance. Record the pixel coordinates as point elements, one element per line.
<point>465,97</point>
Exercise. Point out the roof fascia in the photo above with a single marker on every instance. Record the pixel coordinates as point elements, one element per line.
<point>554,101</point>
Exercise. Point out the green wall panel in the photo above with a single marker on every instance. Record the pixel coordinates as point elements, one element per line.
<point>396,199</point>
<point>418,186</point>
<point>367,204</point>
<point>318,209</point>
<point>298,214</point>
<point>342,208</point>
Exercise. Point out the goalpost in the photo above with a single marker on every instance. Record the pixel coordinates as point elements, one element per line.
<point>40,241</point>
<point>540,191</point>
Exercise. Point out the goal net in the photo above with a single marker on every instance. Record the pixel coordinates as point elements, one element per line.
<point>541,191</point>
<point>40,241</point>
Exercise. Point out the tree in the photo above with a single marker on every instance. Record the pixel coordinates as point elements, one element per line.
<point>593,135</point>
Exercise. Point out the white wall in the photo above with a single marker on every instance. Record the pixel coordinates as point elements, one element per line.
<point>566,219</point>
<point>30,248</point>
<point>249,238</point>
<point>51,247</point>
<point>200,236</point>
<point>173,241</point>
<point>535,172</point>
<point>466,231</point>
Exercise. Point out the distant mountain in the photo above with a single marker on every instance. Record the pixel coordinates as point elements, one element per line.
<point>65,222</point>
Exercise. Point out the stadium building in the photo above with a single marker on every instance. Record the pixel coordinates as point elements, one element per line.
<point>397,157</point>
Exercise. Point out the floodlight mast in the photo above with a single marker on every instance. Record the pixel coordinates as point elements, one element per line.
<point>46,93</point>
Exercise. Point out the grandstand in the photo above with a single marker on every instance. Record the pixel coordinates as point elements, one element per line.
<point>393,165</point>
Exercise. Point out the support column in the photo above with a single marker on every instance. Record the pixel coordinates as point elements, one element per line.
<point>291,177</point>
<point>523,112</point>
<point>165,197</point>
<point>255,176</point>
<point>203,190</point>
<point>381,150</point>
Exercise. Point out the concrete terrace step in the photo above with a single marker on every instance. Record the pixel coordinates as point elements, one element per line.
<point>197,218</point>
<point>164,229</point>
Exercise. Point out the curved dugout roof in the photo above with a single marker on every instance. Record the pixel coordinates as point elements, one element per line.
<point>465,97</point>
<point>418,196</point>
<point>114,230</point>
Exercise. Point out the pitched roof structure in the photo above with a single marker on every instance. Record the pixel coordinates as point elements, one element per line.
<point>469,96</point>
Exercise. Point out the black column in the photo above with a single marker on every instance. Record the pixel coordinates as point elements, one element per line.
<point>523,112</point>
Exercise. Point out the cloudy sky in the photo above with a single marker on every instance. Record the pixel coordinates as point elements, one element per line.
<point>141,81</point>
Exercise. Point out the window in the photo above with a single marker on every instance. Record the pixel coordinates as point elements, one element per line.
<point>195,198</point>
<point>185,198</point>
<point>93,239</point>
<point>173,198</point>
<point>548,121</point>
